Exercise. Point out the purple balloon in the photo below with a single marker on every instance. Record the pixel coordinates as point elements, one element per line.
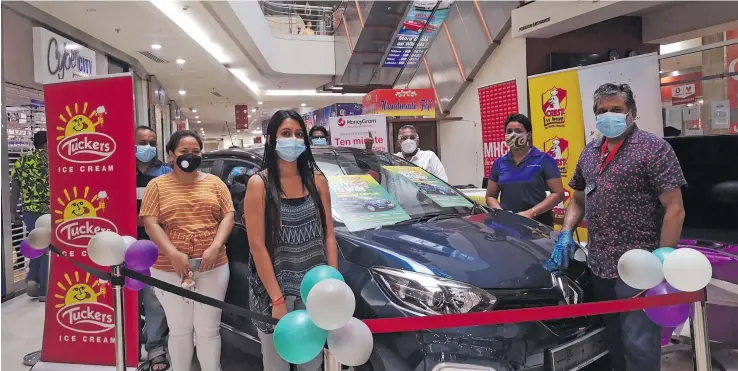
<point>669,316</point>
<point>666,333</point>
<point>141,255</point>
<point>29,252</point>
<point>134,284</point>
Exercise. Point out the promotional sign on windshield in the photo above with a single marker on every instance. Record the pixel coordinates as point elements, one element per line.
<point>436,190</point>
<point>352,131</point>
<point>90,125</point>
<point>361,203</point>
<point>401,102</point>
<point>418,30</point>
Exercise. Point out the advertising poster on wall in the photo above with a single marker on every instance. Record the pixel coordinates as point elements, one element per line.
<point>351,131</point>
<point>496,103</point>
<point>93,188</point>
<point>412,34</point>
<point>641,73</point>
<point>361,203</point>
<point>558,127</point>
<point>401,102</point>
<point>431,187</point>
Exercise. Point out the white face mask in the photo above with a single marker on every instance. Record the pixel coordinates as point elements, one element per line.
<point>409,146</point>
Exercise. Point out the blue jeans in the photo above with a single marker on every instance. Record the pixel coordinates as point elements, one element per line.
<point>38,269</point>
<point>156,324</point>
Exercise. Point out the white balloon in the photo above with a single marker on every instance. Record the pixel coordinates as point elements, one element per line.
<point>687,269</point>
<point>330,304</point>
<point>351,345</point>
<point>107,249</point>
<point>39,238</point>
<point>44,221</point>
<point>128,240</point>
<point>640,269</point>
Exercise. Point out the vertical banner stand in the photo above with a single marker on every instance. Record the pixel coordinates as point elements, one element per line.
<point>700,340</point>
<point>118,282</point>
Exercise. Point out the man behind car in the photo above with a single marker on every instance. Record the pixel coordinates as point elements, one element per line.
<point>409,143</point>
<point>630,182</point>
<point>30,187</point>
<point>149,167</point>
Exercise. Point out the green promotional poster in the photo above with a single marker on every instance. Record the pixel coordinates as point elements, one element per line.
<point>431,187</point>
<point>361,203</point>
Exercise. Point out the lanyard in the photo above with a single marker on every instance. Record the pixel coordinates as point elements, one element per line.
<point>607,156</point>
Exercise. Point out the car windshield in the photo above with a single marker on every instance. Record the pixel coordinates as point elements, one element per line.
<point>371,190</point>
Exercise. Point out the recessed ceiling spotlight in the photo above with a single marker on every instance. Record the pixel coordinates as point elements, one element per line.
<point>182,92</point>
<point>199,122</point>
<point>303,104</point>
<point>260,103</point>
<point>197,117</point>
<point>181,61</point>
<point>193,110</point>
<point>249,116</point>
<point>238,131</point>
<point>155,46</point>
<point>253,110</point>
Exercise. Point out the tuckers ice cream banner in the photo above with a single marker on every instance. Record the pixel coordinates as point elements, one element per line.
<point>90,126</point>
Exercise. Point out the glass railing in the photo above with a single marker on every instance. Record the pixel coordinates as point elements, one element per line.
<point>296,19</point>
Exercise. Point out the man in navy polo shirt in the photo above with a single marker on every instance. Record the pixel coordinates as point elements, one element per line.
<point>524,175</point>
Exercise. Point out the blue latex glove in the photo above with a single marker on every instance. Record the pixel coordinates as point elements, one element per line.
<point>559,260</point>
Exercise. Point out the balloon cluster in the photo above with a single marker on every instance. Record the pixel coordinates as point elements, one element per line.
<point>107,248</point>
<point>301,335</point>
<point>666,271</point>
<point>38,239</point>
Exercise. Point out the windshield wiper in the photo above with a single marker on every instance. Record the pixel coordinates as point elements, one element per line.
<point>430,218</point>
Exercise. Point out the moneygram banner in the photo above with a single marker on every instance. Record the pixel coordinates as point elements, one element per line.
<point>558,122</point>
<point>90,125</point>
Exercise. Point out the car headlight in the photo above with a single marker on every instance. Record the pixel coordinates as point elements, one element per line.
<point>432,295</point>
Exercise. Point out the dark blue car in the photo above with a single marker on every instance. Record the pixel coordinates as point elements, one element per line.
<point>442,260</point>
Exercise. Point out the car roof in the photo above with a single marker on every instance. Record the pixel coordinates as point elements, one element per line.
<point>257,151</point>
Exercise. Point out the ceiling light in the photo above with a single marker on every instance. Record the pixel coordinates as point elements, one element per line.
<point>181,61</point>
<point>313,93</point>
<point>174,11</point>
<point>240,74</point>
<point>182,92</point>
<point>199,122</point>
<point>193,110</point>
<point>197,117</point>
<point>155,46</point>
<point>249,116</point>
<point>337,88</point>
<point>303,104</point>
<point>260,103</point>
<point>238,131</point>
<point>253,110</point>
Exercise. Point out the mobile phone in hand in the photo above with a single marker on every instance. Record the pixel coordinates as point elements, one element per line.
<point>195,264</point>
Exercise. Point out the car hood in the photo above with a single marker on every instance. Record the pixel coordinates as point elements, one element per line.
<point>498,250</point>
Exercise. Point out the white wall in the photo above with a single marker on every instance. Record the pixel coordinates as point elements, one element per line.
<point>461,141</point>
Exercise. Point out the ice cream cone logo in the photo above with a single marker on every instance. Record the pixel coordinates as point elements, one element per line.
<point>79,139</point>
<point>79,308</point>
<point>78,219</point>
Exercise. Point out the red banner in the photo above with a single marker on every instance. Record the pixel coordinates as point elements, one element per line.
<point>496,103</point>
<point>731,59</point>
<point>242,116</point>
<point>401,102</point>
<point>90,124</point>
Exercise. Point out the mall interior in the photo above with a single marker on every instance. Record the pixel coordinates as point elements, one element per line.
<point>454,71</point>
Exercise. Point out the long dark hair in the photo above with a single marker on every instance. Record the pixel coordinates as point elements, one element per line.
<point>306,167</point>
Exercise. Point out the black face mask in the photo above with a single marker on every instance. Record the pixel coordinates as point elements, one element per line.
<point>188,162</point>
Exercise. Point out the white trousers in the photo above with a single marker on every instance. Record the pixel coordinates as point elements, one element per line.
<point>185,316</point>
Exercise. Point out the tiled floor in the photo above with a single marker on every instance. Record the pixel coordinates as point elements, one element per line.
<point>22,330</point>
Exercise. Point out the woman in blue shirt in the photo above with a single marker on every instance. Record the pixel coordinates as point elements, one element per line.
<point>523,176</point>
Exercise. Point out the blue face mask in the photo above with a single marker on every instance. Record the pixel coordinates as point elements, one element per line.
<point>289,149</point>
<point>145,153</point>
<point>612,124</point>
<point>319,142</point>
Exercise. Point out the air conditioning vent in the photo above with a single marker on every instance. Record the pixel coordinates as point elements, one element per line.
<point>153,57</point>
<point>216,94</point>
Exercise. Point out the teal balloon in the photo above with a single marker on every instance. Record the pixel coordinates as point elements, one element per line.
<point>315,275</point>
<point>297,339</point>
<point>662,252</point>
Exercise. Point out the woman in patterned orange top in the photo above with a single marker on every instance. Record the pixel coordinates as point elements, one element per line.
<point>189,215</point>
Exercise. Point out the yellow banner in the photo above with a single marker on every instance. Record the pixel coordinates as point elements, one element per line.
<point>558,122</point>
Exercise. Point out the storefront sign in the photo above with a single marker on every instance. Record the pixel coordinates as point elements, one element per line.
<point>242,116</point>
<point>93,188</point>
<point>58,59</point>
<point>351,131</point>
<point>409,45</point>
<point>401,102</point>
<point>496,103</point>
<point>361,203</point>
<point>683,94</point>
